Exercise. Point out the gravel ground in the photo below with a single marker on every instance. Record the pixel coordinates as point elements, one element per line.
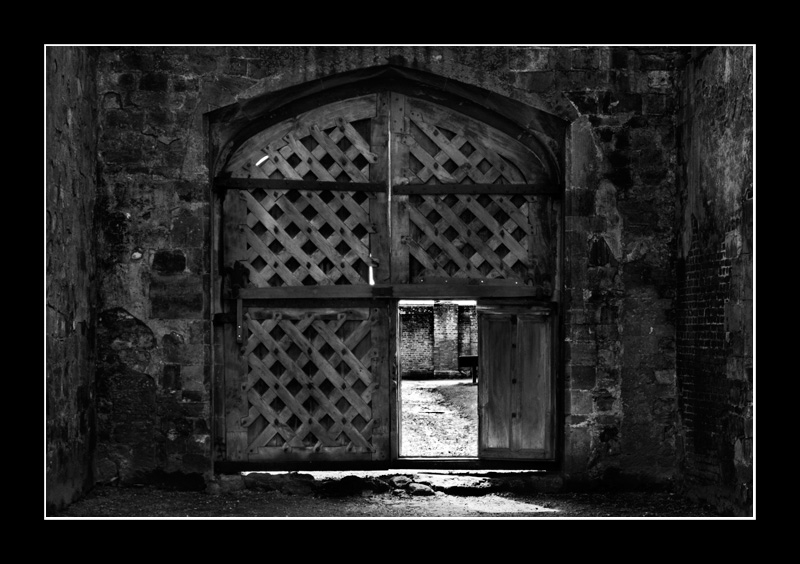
<point>439,418</point>
<point>151,503</point>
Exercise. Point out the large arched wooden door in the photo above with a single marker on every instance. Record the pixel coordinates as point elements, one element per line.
<point>331,217</point>
<point>304,215</point>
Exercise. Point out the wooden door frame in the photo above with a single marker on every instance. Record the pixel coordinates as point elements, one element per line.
<point>474,463</point>
<point>221,313</point>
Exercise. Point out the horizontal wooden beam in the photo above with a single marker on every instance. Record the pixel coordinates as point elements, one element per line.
<point>289,292</point>
<point>504,189</point>
<point>221,183</point>
<point>396,291</point>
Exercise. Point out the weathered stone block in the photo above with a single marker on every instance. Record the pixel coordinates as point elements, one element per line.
<point>171,377</point>
<point>187,228</point>
<point>582,353</point>
<point>167,261</point>
<point>586,58</point>
<point>580,402</point>
<point>582,377</point>
<point>534,81</point>
<point>177,296</point>
<point>529,59</point>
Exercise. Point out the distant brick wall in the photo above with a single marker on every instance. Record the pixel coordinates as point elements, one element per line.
<point>433,337</point>
<point>467,330</point>
<point>416,337</point>
<point>71,291</point>
<point>715,268</point>
<point>445,338</point>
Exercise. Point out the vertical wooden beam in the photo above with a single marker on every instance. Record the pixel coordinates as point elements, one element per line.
<point>380,331</point>
<point>379,202</point>
<point>494,394</point>
<point>235,398</point>
<point>234,241</point>
<point>399,155</point>
<point>395,404</point>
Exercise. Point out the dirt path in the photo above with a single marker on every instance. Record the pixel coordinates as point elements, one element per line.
<point>439,418</point>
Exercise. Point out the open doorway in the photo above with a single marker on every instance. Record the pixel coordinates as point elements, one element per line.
<point>438,379</point>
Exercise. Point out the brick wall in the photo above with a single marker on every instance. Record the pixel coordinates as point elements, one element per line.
<point>416,337</point>
<point>433,336</point>
<point>445,338</point>
<point>467,330</point>
<point>715,268</point>
<point>71,288</point>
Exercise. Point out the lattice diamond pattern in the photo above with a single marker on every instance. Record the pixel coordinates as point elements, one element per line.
<point>461,236</point>
<point>438,155</point>
<point>307,237</point>
<point>311,388</point>
<point>339,153</point>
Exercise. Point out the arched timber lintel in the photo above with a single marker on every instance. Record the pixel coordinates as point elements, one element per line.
<point>542,132</point>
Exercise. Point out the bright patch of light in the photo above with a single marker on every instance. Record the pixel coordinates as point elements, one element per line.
<point>262,159</point>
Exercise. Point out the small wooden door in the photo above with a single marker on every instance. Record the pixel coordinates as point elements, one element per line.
<point>515,397</point>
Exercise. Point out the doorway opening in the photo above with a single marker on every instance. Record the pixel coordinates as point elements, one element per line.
<point>438,399</point>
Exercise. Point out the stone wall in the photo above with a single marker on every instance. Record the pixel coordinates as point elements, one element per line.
<point>619,398</point>
<point>618,288</point>
<point>154,372</point>
<point>71,285</point>
<point>715,270</point>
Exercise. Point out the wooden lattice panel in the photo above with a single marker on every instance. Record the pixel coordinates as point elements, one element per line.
<point>469,236</point>
<point>448,148</point>
<point>307,238</point>
<point>310,381</point>
<point>329,144</point>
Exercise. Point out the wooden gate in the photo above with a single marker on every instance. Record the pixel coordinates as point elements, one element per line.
<point>328,219</point>
<point>304,233</point>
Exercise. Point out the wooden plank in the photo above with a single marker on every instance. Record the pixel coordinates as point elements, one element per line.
<point>234,399</point>
<point>357,248</point>
<point>495,352</point>
<point>315,292</point>
<point>358,142</point>
<point>427,160</point>
<point>469,235</point>
<point>308,456</point>
<point>234,212</point>
<point>338,155</point>
<point>294,403</point>
<point>541,189</point>
<point>399,229</point>
<point>379,241</point>
<point>322,363</point>
<point>461,288</point>
<point>483,137</point>
<point>392,389</point>
<point>284,238</point>
<point>284,184</point>
<point>352,109</point>
<point>533,384</point>
<point>310,159</point>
